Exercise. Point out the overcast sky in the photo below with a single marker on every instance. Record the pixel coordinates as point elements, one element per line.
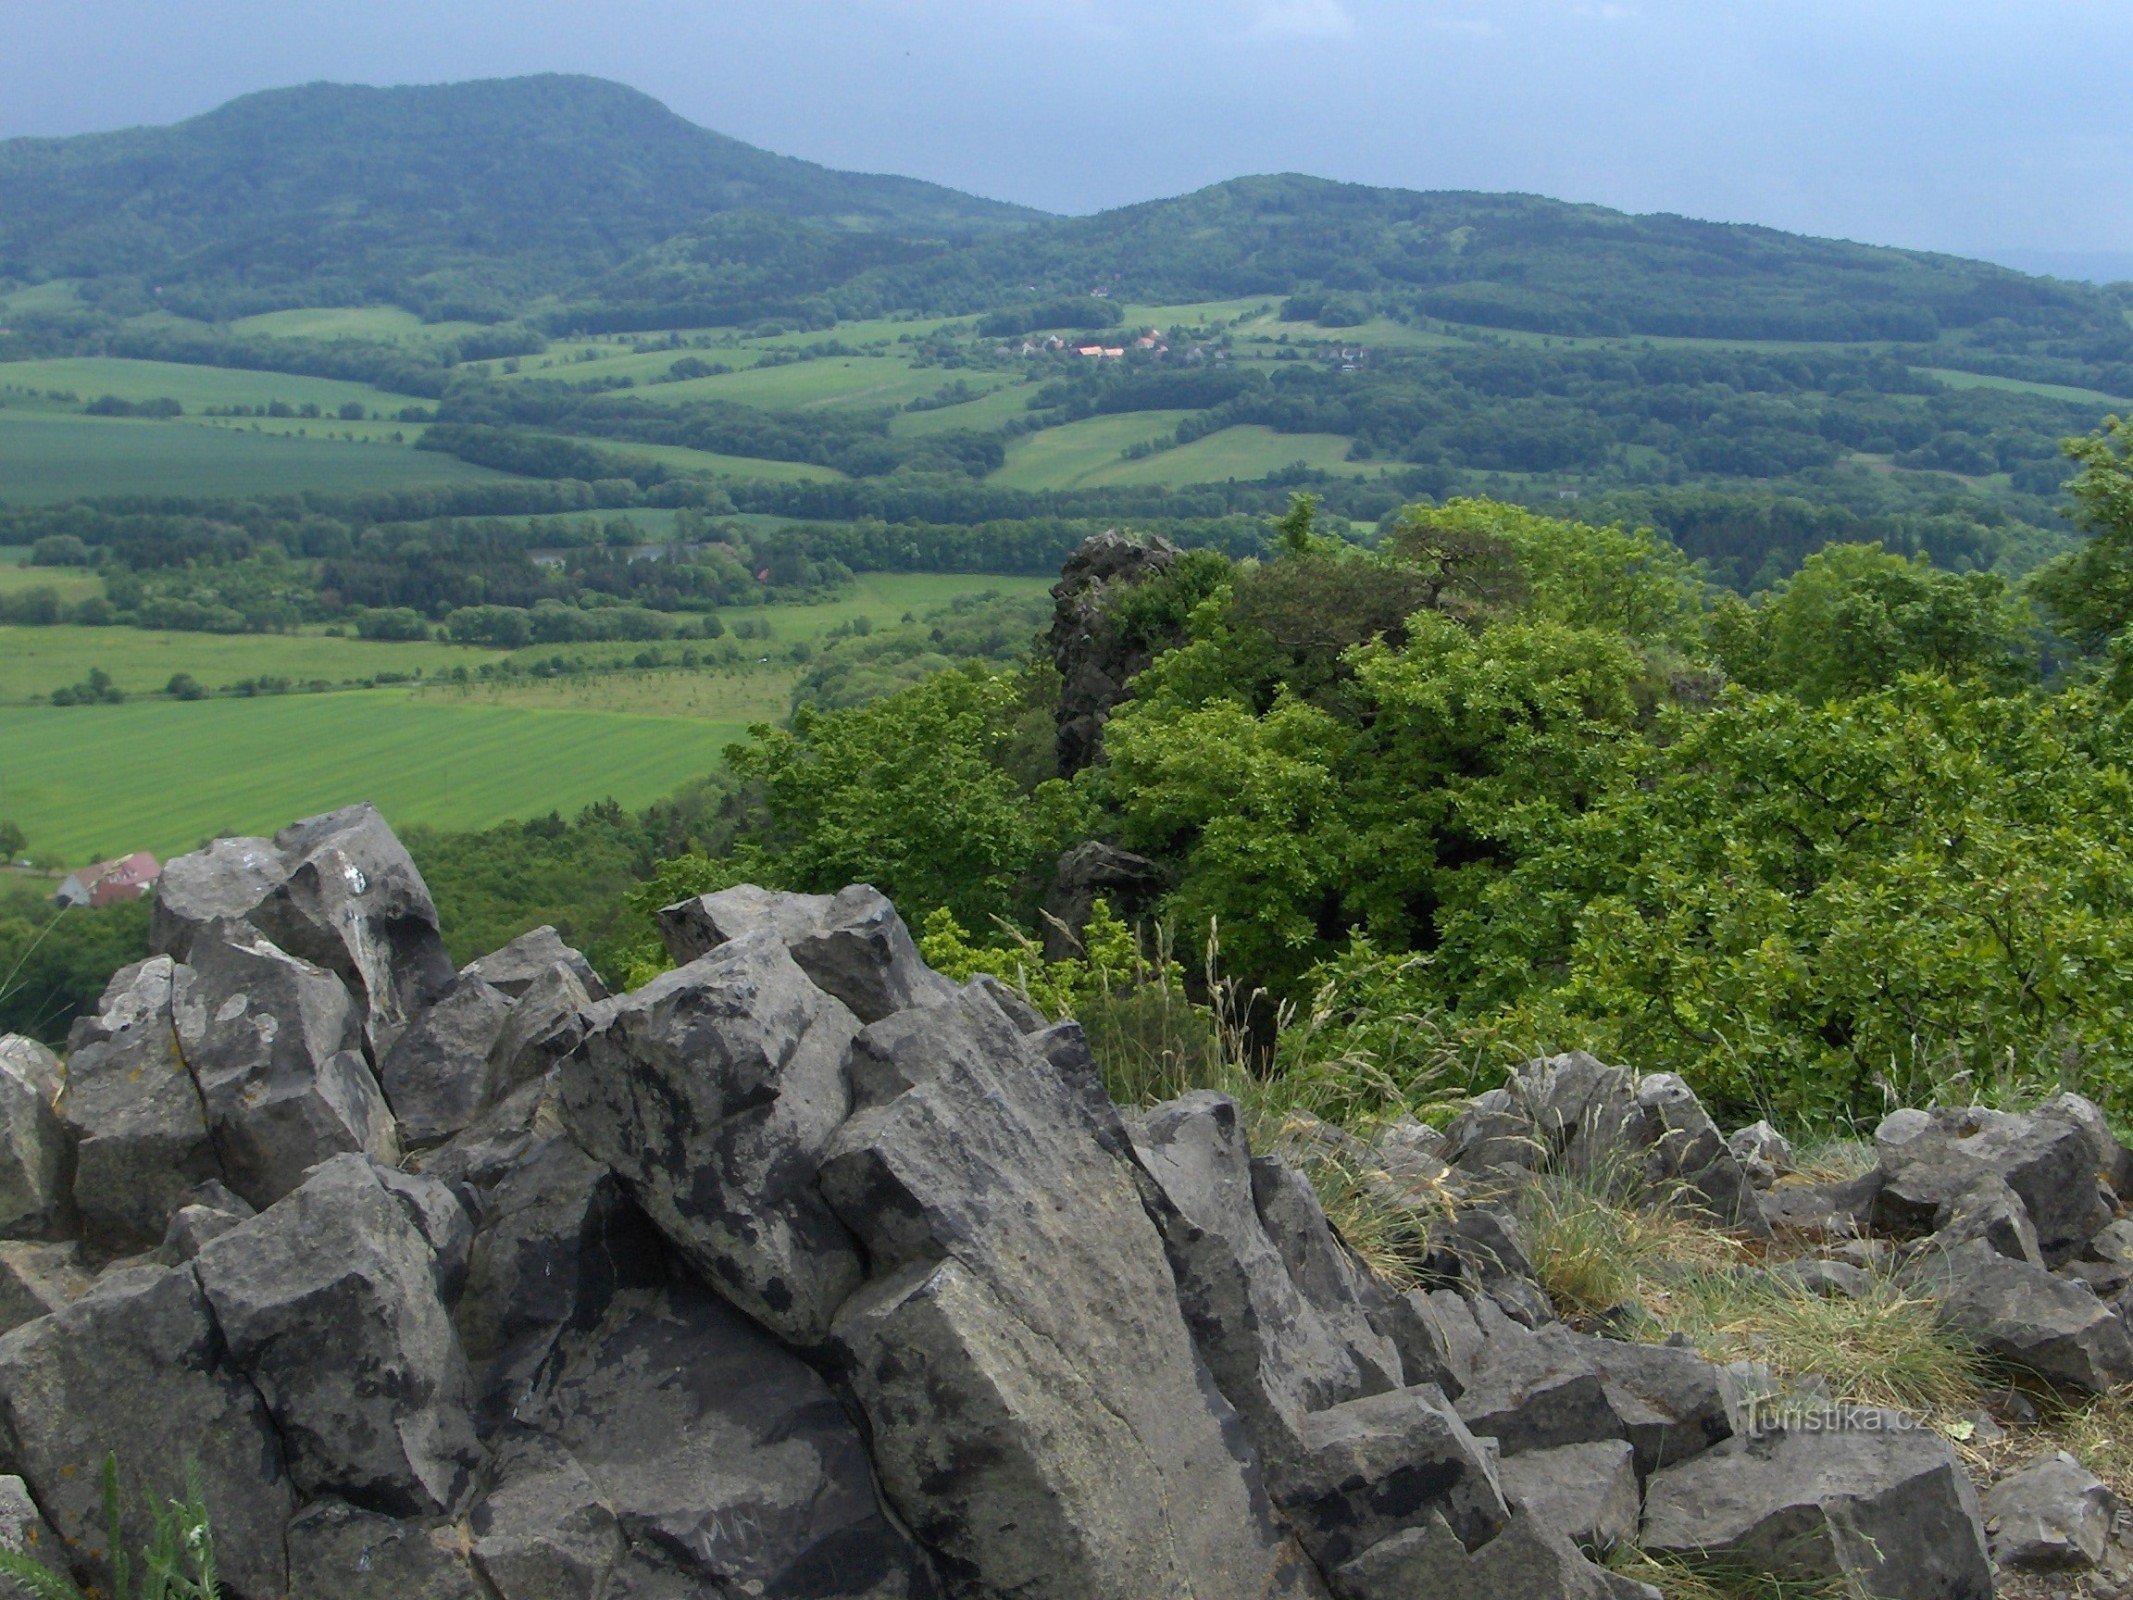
<point>2001,127</point>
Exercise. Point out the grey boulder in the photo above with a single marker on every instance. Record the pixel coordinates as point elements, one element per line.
<point>2053,1514</point>
<point>1673,1403</point>
<point>681,1442</point>
<point>1538,1391</point>
<point>543,1026</point>
<point>275,1048</point>
<point>340,1552</point>
<point>1880,1503</point>
<point>329,1302</point>
<point>1373,1467</point>
<point>136,1367</point>
<point>37,1280</point>
<point>1931,1159</point>
<point>1529,1560</point>
<point>1038,1411</point>
<point>133,1113</point>
<point>2029,1318</point>
<point>1275,1354</point>
<point>558,1238</point>
<point>852,944</point>
<point>713,1092</point>
<point>513,968</point>
<point>337,890</point>
<point>1586,1492</point>
<point>33,1146</point>
<point>433,1074</point>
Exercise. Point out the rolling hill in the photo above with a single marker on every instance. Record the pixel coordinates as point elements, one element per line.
<point>455,199</point>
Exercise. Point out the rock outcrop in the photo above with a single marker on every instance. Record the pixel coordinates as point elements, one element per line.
<point>1095,659</point>
<point>804,1273</point>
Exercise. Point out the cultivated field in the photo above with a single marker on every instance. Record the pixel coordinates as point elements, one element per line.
<point>1246,452</point>
<point>89,782</point>
<point>47,457</point>
<point>352,322</point>
<point>160,774</point>
<point>194,387</point>
<point>35,661</point>
<point>1068,456</point>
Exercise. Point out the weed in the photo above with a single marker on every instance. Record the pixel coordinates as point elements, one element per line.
<point>177,1564</point>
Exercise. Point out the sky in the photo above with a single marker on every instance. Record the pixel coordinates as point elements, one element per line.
<point>1999,128</point>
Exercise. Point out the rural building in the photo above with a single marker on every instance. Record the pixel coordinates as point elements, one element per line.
<point>127,878</point>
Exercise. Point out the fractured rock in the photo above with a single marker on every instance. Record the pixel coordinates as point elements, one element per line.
<point>135,1367</point>
<point>1374,1466</point>
<point>545,1024</point>
<point>1931,1159</point>
<point>714,1453</point>
<point>852,944</point>
<point>712,1092</point>
<point>329,1302</point>
<point>33,1146</point>
<point>1673,1403</point>
<point>2029,1318</point>
<point>140,1132</point>
<point>1527,1561</point>
<point>336,890</point>
<point>1019,1284</point>
<point>38,1279</point>
<point>545,1532</point>
<point>339,1552</point>
<point>513,968</point>
<point>433,1074</point>
<point>1538,1392</point>
<point>1764,1154</point>
<point>275,1048</point>
<point>1275,1355</point>
<point>1586,1492</point>
<point>2053,1514</point>
<point>1886,1507</point>
<point>558,1238</point>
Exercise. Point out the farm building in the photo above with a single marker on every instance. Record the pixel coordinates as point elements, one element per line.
<point>127,878</point>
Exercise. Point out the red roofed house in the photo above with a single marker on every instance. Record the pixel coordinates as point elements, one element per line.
<point>128,878</point>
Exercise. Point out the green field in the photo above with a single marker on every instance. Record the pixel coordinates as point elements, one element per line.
<point>194,387</point>
<point>683,459</point>
<point>35,661</point>
<point>845,381</point>
<point>69,583</point>
<point>1003,405</point>
<point>1065,457</point>
<point>158,774</point>
<point>2051,391</point>
<point>86,783</point>
<point>1251,451</point>
<point>351,322</point>
<point>48,457</point>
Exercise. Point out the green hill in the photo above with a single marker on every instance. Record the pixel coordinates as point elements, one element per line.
<point>458,199</point>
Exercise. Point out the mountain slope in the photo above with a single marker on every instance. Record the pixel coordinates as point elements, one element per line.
<point>454,198</point>
<point>1509,261</point>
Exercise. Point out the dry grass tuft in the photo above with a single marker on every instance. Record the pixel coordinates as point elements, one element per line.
<point>1707,1578</point>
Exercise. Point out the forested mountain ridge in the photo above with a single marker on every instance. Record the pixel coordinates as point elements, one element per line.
<point>1513,261</point>
<point>605,209</point>
<point>453,199</point>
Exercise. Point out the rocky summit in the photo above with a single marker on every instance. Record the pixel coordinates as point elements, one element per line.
<point>804,1273</point>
